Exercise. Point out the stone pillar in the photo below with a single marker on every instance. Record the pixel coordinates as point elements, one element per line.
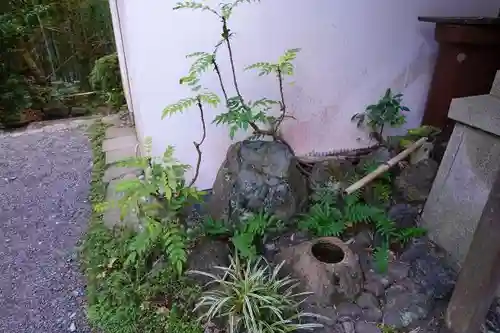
<point>467,172</point>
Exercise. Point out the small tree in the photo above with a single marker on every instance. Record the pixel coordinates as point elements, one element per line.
<point>241,114</point>
<point>388,110</point>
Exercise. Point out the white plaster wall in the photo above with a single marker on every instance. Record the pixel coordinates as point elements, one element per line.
<point>351,52</point>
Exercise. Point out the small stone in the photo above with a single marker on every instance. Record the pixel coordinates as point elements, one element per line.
<point>362,327</point>
<point>403,215</point>
<point>367,301</point>
<point>72,327</point>
<point>381,278</point>
<point>372,315</point>
<point>398,270</point>
<point>363,239</point>
<point>270,247</point>
<point>71,316</point>
<point>375,287</point>
<point>348,327</point>
<point>347,309</point>
<point>404,308</point>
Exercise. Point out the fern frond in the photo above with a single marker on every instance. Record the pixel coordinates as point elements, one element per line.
<point>264,68</point>
<point>405,235</point>
<point>194,5</point>
<point>381,257</point>
<point>285,61</point>
<point>174,244</point>
<point>178,107</point>
<point>203,61</point>
<point>209,98</point>
<point>385,226</point>
<point>381,192</point>
<point>360,213</point>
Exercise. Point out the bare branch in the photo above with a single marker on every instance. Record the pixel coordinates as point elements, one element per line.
<point>283,105</point>
<point>219,75</point>
<point>197,145</point>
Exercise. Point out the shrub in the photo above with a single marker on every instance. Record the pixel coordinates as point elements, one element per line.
<point>253,298</point>
<point>105,78</point>
<point>388,110</point>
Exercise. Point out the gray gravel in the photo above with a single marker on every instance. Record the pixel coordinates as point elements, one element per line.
<point>44,187</point>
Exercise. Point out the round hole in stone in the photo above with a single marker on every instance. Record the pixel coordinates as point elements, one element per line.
<point>327,252</point>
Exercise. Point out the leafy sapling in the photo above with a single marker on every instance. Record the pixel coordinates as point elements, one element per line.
<point>240,114</point>
<point>388,111</point>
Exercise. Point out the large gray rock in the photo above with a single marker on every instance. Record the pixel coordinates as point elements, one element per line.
<point>255,176</point>
<point>429,270</point>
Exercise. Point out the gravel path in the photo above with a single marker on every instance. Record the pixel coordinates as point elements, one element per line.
<point>44,185</point>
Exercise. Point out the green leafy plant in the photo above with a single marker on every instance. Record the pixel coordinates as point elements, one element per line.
<point>215,228</point>
<point>132,283</point>
<point>252,297</point>
<point>105,78</point>
<point>326,218</point>
<point>240,114</point>
<point>254,227</point>
<point>389,110</point>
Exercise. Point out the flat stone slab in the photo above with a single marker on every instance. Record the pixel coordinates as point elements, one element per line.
<point>119,143</point>
<point>117,155</point>
<point>115,132</point>
<point>481,112</point>
<point>112,216</point>
<point>116,172</point>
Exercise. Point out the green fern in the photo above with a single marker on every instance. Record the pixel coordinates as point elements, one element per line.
<point>239,116</point>
<point>404,235</point>
<point>381,257</point>
<point>284,65</point>
<point>254,226</point>
<point>178,107</point>
<point>174,243</point>
<point>194,5</point>
<point>214,228</point>
<point>323,220</point>
<point>385,226</point>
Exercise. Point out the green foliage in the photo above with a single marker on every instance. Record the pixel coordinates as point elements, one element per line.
<point>254,227</point>
<point>130,287</point>
<point>381,257</point>
<point>105,78</point>
<point>186,103</point>
<point>323,220</point>
<point>388,110</point>
<point>326,218</point>
<point>283,66</point>
<point>239,115</point>
<point>253,298</point>
<point>414,134</point>
<point>214,228</point>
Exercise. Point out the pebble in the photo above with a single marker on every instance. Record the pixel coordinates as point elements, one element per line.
<point>348,327</point>
<point>72,327</point>
<point>373,315</point>
<point>367,301</point>
<point>347,309</point>
<point>270,247</point>
<point>375,287</point>
<point>362,327</point>
<point>398,270</point>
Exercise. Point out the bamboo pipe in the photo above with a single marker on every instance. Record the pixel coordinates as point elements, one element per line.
<point>384,167</point>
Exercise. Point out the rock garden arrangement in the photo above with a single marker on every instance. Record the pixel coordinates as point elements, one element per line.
<point>278,245</point>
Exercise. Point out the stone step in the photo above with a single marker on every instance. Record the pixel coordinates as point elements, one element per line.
<point>482,112</point>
